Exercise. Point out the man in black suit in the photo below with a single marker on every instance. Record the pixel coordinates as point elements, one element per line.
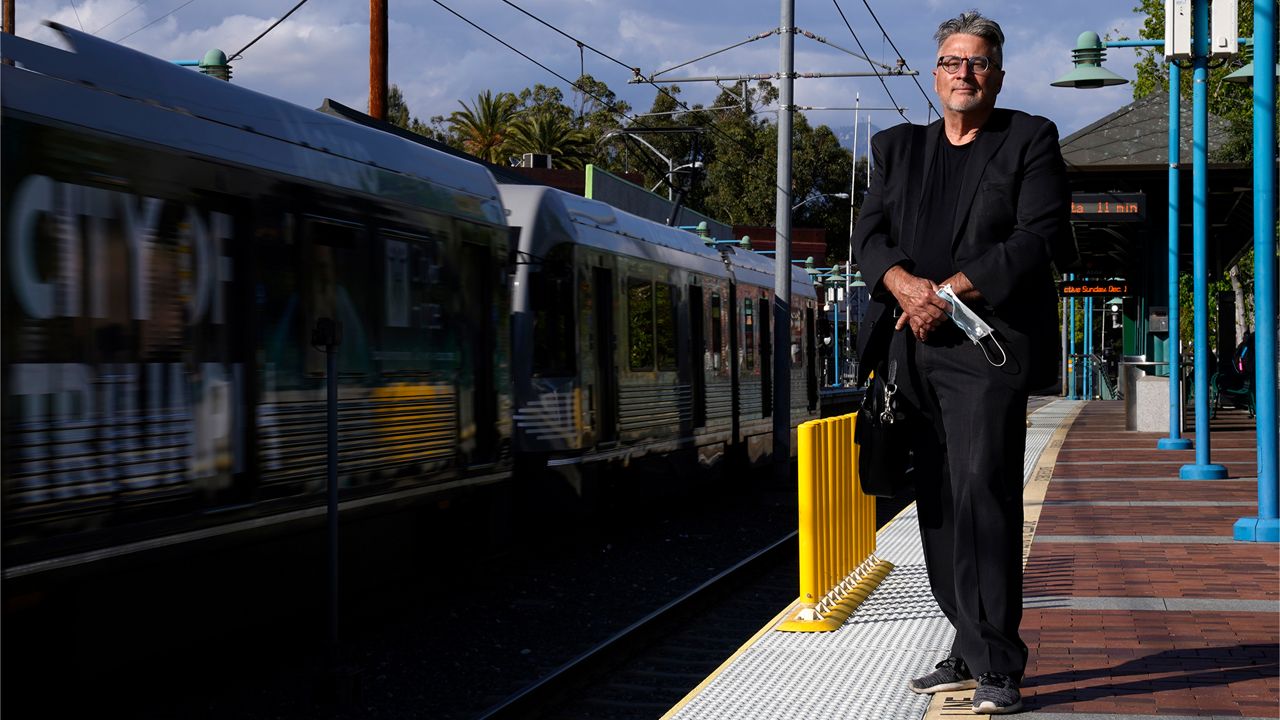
<point>977,200</point>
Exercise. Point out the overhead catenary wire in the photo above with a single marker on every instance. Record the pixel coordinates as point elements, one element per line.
<point>635,70</point>
<point>883,84</point>
<point>824,41</point>
<point>753,38</point>
<point>76,10</point>
<point>611,107</point>
<point>885,35</point>
<point>136,5</point>
<point>153,22</point>
<point>284,17</point>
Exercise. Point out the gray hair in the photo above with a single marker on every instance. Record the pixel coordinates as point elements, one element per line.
<point>973,23</point>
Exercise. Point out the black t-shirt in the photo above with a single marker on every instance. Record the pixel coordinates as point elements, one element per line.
<point>934,233</point>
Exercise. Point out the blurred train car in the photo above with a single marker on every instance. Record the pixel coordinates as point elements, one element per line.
<point>633,339</point>
<point>170,241</point>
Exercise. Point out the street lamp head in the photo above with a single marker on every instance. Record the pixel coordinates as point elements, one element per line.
<point>1245,74</point>
<point>214,64</point>
<point>857,280</point>
<point>1088,72</point>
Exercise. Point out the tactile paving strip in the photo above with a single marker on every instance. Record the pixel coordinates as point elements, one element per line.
<point>860,670</point>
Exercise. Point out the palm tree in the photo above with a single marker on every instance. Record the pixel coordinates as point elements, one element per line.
<point>485,127</point>
<point>546,133</point>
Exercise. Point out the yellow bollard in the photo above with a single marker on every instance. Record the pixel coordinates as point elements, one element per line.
<point>837,532</point>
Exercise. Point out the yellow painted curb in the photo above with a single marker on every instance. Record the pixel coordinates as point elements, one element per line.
<point>841,611</point>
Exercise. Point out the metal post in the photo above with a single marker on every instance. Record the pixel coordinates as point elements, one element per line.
<point>1266,526</point>
<point>853,193</point>
<point>1174,441</point>
<point>1065,356</point>
<point>868,151</point>
<point>378,59</point>
<point>835,340</point>
<point>782,254</point>
<point>1071,340</point>
<point>1088,348</point>
<point>1202,469</point>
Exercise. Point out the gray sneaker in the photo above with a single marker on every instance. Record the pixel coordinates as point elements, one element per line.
<point>951,674</point>
<point>997,694</point>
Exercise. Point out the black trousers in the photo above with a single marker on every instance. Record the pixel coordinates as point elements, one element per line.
<point>969,434</point>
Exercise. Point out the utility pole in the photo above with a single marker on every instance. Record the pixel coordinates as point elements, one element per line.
<point>782,254</point>
<point>8,16</point>
<point>377,59</point>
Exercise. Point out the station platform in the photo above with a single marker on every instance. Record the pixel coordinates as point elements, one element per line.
<point>1138,602</point>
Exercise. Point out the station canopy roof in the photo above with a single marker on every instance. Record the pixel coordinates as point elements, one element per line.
<point>1127,152</point>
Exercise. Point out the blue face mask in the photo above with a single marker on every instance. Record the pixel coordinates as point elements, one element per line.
<point>974,327</point>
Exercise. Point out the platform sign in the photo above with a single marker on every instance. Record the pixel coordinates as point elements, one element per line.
<point>1112,207</point>
<point>1093,288</point>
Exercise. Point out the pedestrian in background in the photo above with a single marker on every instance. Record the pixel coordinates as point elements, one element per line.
<point>977,200</point>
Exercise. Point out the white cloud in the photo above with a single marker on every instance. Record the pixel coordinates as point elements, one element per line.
<point>321,51</point>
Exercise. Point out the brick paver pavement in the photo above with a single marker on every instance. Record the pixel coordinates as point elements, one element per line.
<point>1146,542</point>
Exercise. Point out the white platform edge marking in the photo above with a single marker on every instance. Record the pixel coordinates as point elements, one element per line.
<point>859,671</point>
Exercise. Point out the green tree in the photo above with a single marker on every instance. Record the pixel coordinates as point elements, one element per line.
<point>397,109</point>
<point>1231,101</point>
<point>398,114</point>
<point>483,129</point>
<point>543,131</point>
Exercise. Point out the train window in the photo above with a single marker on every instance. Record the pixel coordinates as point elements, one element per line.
<point>749,333</point>
<point>640,324</point>
<point>337,278</point>
<point>665,325</point>
<point>717,333</point>
<point>551,293</point>
<point>413,316</point>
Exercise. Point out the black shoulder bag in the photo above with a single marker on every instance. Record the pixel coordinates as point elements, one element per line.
<point>884,452</point>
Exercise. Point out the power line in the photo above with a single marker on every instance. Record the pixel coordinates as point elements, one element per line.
<point>264,32</point>
<point>864,52</point>
<point>885,35</point>
<point>77,12</point>
<point>153,22</point>
<point>636,72</point>
<point>136,5</point>
<point>611,107</point>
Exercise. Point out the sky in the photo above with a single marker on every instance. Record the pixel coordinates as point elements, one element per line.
<point>437,59</point>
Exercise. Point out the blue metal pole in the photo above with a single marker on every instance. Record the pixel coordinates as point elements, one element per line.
<point>1175,441</point>
<point>1071,356</point>
<point>1202,469</point>
<point>1088,349</point>
<point>1093,349</point>
<point>1266,526</point>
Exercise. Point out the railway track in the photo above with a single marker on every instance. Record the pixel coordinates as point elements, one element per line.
<point>643,670</point>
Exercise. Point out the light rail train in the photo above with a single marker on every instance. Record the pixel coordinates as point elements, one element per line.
<point>171,240</point>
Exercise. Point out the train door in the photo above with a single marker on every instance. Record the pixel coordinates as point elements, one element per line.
<point>765,312</point>
<point>607,373</point>
<point>697,353</point>
<point>479,333</point>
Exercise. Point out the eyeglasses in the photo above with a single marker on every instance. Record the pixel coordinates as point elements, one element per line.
<point>978,64</point>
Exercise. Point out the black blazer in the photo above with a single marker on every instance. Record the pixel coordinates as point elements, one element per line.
<point>1012,221</point>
